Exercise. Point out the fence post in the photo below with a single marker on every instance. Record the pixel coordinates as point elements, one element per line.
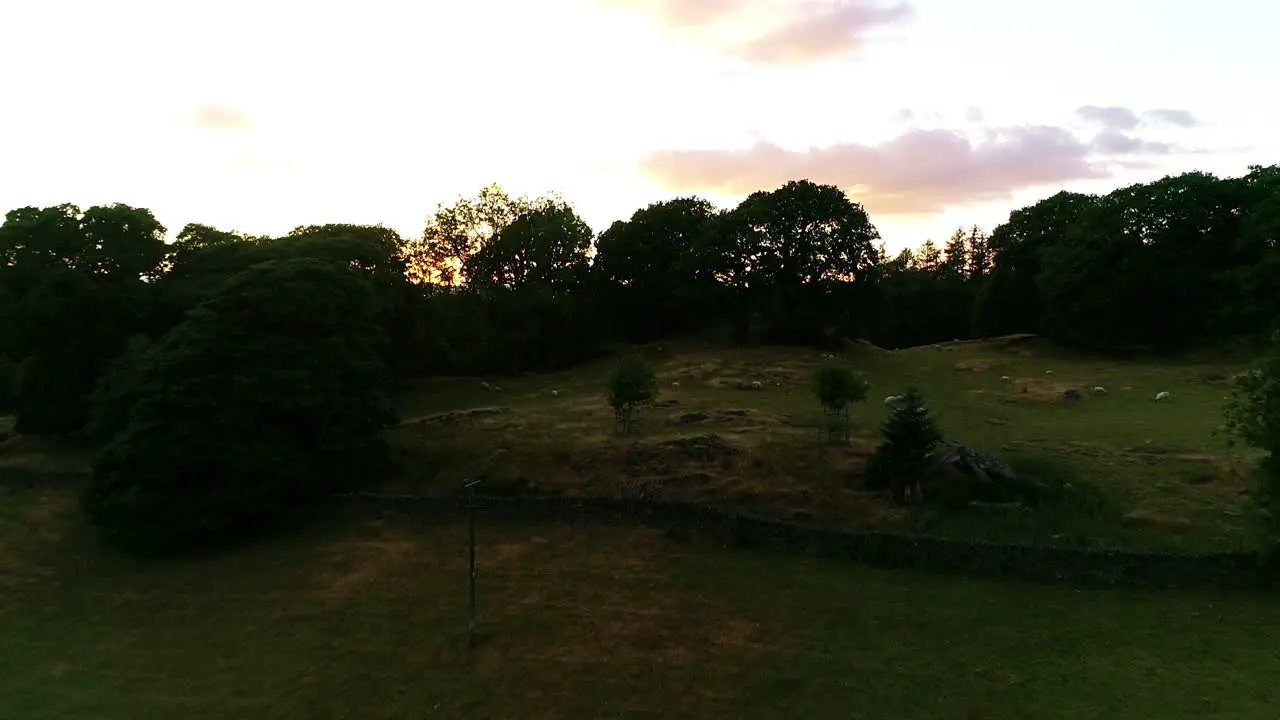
<point>471,562</point>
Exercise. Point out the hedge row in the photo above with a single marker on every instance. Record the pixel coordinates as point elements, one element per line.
<point>1076,566</point>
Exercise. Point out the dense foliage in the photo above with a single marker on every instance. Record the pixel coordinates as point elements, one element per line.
<point>1253,416</point>
<point>270,392</point>
<point>97,312</point>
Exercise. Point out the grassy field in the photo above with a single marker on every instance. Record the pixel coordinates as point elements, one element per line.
<point>360,618</point>
<point>1157,478</point>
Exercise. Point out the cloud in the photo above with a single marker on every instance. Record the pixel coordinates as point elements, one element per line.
<point>679,14</point>
<point>1177,118</point>
<point>820,34</point>
<point>782,32</point>
<point>1114,142</point>
<point>1116,118</point>
<point>1122,118</point>
<point>220,118</point>
<point>919,172</point>
<point>973,114</point>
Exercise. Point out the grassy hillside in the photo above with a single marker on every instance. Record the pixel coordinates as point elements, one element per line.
<point>367,619</point>
<point>1156,478</point>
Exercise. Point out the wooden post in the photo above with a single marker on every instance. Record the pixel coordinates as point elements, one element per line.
<point>471,562</point>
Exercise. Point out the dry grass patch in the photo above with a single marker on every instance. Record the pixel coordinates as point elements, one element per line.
<point>31,522</point>
<point>362,563</point>
<point>976,365</point>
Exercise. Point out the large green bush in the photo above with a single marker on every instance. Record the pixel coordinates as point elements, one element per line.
<point>271,392</point>
<point>1253,416</point>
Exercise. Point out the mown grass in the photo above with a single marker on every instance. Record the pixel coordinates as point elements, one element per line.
<point>1155,475</point>
<point>358,618</point>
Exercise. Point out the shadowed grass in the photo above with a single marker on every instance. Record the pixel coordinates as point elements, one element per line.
<point>367,619</point>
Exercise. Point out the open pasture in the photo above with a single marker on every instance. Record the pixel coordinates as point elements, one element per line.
<point>353,617</point>
<point>1156,475</point>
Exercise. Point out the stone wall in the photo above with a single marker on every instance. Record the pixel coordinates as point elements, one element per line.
<point>1086,567</point>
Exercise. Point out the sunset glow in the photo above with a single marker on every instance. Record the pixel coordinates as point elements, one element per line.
<point>260,116</point>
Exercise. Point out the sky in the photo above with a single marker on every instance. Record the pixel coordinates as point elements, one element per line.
<point>933,114</point>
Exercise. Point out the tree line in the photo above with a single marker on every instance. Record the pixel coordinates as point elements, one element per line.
<point>107,329</point>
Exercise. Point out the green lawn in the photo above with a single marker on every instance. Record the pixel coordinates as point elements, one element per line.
<point>361,619</point>
<point>1156,463</point>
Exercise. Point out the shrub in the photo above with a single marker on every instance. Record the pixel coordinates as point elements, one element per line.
<point>1253,416</point>
<point>270,393</point>
<point>116,392</point>
<point>835,386</point>
<point>632,384</point>
<point>910,436</point>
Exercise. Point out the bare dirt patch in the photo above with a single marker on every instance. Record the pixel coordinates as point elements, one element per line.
<point>453,416</point>
<point>1152,519</point>
<point>623,613</point>
<point>664,457</point>
<point>975,365</point>
<point>1041,391</point>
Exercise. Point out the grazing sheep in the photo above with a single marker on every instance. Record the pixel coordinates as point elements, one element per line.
<point>1162,396</point>
<point>755,384</point>
<point>890,400</point>
<point>555,393</point>
<point>1099,390</point>
<point>485,385</point>
<point>1006,379</point>
<point>497,388</point>
<point>675,385</point>
<point>1048,372</point>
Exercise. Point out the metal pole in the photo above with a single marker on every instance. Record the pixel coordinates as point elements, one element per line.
<point>471,562</point>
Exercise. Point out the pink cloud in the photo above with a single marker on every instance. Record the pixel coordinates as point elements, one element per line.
<point>818,34</point>
<point>676,14</point>
<point>919,172</point>
<point>795,32</point>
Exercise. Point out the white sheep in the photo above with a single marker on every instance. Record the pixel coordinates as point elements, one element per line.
<point>1162,396</point>
<point>1099,390</point>
<point>1006,379</point>
<point>1048,372</point>
<point>484,384</point>
<point>892,399</point>
<point>555,393</point>
<point>675,385</point>
<point>497,388</point>
<point>755,384</point>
